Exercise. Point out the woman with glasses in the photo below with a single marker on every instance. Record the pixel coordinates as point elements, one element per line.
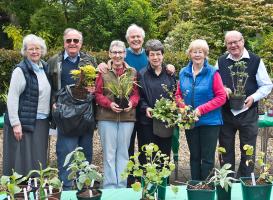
<point>26,121</point>
<point>115,124</point>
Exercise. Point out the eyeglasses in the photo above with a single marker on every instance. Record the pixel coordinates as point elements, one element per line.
<point>117,52</point>
<point>76,41</point>
<point>37,49</point>
<point>234,42</point>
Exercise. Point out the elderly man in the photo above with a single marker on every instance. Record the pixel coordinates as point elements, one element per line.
<point>257,87</point>
<point>60,66</point>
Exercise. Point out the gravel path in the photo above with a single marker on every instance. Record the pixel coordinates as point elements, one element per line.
<point>183,167</point>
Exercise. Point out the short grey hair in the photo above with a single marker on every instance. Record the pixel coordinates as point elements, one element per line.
<point>153,45</point>
<point>68,30</point>
<point>199,44</point>
<point>233,32</point>
<point>117,43</point>
<point>133,27</point>
<point>33,39</point>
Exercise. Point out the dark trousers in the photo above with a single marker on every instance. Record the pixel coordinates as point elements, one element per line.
<point>146,136</point>
<point>202,141</point>
<point>246,124</point>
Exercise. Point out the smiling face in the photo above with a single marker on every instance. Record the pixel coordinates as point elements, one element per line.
<point>135,40</point>
<point>235,44</point>
<point>198,57</point>
<point>156,59</point>
<point>33,52</point>
<point>72,43</point>
<point>117,55</point>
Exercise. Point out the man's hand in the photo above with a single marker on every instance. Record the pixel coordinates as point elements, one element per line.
<point>170,69</point>
<point>149,112</point>
<point>130,106</point>
<point>228,91</point>
<point>103,68</point>
<point>54,106</point>
<point>17,131</point>
<point>249,101</point>
<point>115,107</point>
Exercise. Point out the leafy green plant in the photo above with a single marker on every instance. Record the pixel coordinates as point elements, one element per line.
<point>263,168</point>
<point>16,34</point>
<point>81,171</point>
<point>123,86</point>
<point>157,167</point>
<point>166,110</point>
<point>86,75</point>
<point>10,184</point>
<point>45,177</point>
<point>239,77</point>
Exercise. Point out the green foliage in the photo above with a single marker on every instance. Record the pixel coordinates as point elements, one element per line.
<point>88,73</point>
<point>264,168</point>
<point>157,167</point>
<point>80,170</point>
<point>123,85</point>
<point>239,77</point>
<point>16,34</point>
<point>10,184</point>
<point>47,176</point>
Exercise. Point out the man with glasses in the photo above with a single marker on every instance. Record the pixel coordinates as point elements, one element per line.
<point>258,86</point>
<point>60,66</point>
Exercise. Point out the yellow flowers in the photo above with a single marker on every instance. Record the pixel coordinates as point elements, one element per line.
<point>87,72</point>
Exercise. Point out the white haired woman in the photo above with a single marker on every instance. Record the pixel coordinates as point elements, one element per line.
<point>115,124</point>
<point>26,121</point>
<point>200,85</point>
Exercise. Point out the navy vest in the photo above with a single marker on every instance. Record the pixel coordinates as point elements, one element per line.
<point>252,68</point>
<point>28,100</point>
<point>199,91</point>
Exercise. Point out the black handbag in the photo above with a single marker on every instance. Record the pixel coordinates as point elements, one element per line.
<point>73,117</point>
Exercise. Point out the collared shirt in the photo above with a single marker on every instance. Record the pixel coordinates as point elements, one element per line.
<point>263,80</point>
<point>66,56</point>
<point>193,74</point>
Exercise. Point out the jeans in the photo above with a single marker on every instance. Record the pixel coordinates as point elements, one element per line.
<point>66,144</point>
<point>115,140</point>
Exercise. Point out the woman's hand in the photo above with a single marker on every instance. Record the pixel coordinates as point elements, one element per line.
<point>17,131</point>
<point>115,107</point>
<point>149,112</point>
<point>130,106</point>
<point>170,69</point>
<point>103,68</point>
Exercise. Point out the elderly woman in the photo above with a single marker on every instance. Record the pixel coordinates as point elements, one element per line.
<point>200,85</point>
<point>151,79</point>
<point>26,121</point>
<point>115,124</point>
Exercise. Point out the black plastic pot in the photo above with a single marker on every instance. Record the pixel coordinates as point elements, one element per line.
<point>237,102</point>
<point>160,129</point>
<point>257,192</point>
<point>222,194</point>
<point>96,194</point>
<point>122,102</point>
<point>198,194</point>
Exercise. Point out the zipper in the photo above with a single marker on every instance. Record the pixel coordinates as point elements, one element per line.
<point>192,96</point>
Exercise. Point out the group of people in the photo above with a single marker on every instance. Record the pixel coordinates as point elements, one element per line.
<point>35,83</point>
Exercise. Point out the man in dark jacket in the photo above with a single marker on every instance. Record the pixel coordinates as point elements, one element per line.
<point>258,86</point>
<point>60,66</point>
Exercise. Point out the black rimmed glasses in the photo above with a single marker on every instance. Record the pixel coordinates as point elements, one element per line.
<point>76,41</point>
<point>117,52</point>
<point>236,42</point>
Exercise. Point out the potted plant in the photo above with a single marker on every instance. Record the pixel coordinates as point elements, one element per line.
<point>167,115</point>
<point>46,184</point>
<point>85,76</point>
<point>253,188</point>
<point>152,175</point>
<point>239,78</point>
<point>10,185</point>
<point>122,87</point>
<point>84,175</point>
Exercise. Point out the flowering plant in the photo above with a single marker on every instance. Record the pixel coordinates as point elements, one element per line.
<point>166,110</point>
<point>86,75</point>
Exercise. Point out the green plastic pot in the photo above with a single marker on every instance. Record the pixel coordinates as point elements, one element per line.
<point>161,189</point>
<point>251,192</point>
<point>97,195</point>
<point>222,194</point>
<point>194,194</point>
